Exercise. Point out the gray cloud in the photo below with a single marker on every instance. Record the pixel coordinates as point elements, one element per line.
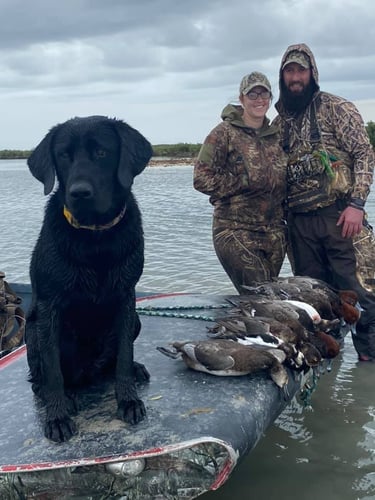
<point>167,67</point>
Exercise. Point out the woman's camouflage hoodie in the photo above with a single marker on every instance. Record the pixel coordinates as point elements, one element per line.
<point>243,170</point>
<point>342,136</point>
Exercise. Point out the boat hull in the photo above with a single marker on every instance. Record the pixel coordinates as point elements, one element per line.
<point>197,427</point>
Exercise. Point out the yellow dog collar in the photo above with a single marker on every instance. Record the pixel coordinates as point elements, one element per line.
<point>95,227</point>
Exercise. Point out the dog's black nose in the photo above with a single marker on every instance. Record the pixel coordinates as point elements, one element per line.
<point>81,190</point>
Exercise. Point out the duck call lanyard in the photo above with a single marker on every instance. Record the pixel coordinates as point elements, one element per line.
<point>317,150</point>
<point>315,136</point>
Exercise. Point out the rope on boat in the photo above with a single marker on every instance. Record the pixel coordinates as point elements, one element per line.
<point>171,311</point>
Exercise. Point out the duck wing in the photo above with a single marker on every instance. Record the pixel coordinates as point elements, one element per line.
<point>265,289</point>
<point>286,332</point>
<point>211,354</point>
<point>227,328</point>
<point>260,306</point>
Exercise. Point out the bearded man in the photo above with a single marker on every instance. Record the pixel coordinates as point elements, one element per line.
<point>329,174</point>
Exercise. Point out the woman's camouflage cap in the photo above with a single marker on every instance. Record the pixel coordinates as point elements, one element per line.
<point>252,80</point>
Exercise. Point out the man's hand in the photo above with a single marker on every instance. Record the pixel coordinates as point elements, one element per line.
<point>351,219</point>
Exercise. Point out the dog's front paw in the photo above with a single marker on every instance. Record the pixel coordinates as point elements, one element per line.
<point>140,372</point>
<point>132,411</point>
<point>60,429</point>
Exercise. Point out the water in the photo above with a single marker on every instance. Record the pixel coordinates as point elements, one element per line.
<point>327,453</point>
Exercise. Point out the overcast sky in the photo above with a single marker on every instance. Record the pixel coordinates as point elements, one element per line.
<point>167,67</point>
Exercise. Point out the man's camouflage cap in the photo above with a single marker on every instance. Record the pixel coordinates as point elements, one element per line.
<point>255,78</point>
<point>297,57</point>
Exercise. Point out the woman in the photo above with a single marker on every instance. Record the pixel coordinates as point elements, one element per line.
<point>242,167</point>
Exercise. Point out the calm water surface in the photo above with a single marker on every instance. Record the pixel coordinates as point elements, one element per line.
<point>327,453</point>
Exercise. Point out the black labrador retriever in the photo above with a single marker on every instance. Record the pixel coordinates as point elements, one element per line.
<point>87,260</point>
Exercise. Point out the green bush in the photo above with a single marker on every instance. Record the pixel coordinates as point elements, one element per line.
<point>180,150</point>
<point>370,127</point>
<point>14,154</point>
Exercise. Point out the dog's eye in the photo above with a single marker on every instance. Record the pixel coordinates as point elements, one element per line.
<point>100,153</point>
<point>64,155</point>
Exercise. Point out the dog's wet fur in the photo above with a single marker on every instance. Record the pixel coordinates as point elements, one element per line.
<point>82,322</point>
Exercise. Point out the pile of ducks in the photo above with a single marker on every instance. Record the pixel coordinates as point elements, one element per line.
<point>296,322</point>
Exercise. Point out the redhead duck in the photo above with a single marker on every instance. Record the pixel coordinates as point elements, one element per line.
<point>338,309</point>
<point>224,358</point>
<point>324,298</point>
<point>348,307</point>
<point>284,290</point>
<point>343,303</point>
<point>325,343</point>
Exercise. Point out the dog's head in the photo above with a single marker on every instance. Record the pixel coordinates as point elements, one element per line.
<point>135,150</point>
<point>95,160</point>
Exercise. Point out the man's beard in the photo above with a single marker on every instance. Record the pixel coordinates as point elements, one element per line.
<point>296,103</point>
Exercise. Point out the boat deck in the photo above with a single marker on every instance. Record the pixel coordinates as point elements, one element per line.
<point>223,416</point>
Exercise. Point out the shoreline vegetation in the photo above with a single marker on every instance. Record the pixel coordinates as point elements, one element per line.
<point>163,154</point>
<point>182,153</point>
<point>160,161</point>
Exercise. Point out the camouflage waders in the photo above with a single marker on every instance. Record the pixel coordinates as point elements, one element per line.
<point>319,251</point>
<point>249,256</point>
<point>243,170</point>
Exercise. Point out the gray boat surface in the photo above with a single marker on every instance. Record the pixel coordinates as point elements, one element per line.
<point>197,428</point>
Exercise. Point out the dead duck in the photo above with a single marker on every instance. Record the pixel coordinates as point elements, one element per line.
<point>312,318</point>
<point>316,303</point>
<point>297,324</point>
<point>312,357</point>
<point>340,300</point>
<point>348,308</point>
<point>242,327</point>
<point>285,312</point>
<point>225,358</point>
<point>263,331</point>
<point>340,308</point>
<point>245,330</point>
<point>327,345</point>
<point>329,302</point>
<point>306,314</point>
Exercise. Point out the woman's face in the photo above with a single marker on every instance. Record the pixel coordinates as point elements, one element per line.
<point>256,102</point>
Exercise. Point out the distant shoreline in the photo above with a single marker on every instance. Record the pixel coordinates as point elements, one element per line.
<point>169,162</point>
<point>162,154</point>
<point>155,161</point>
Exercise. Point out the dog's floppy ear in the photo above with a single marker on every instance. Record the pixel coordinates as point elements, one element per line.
<point>136,152</point>
<point>41,162</point>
